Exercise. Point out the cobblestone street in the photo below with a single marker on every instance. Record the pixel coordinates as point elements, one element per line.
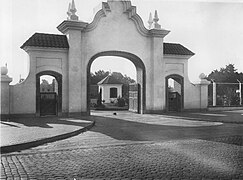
<point>121,149</point>
<point>181,159</point>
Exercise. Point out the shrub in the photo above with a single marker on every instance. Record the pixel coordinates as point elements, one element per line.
<point>121,102</point>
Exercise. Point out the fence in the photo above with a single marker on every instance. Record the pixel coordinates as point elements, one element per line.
<point>225,94</point>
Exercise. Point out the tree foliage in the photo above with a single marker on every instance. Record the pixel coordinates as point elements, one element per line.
<point>228,74</point>
<point>227,84</point>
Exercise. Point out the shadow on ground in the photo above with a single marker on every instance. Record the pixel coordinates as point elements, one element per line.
<point>134,131</point>
<point>9,124</point>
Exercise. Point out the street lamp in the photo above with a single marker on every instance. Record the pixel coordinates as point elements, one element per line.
<point>240,92</point>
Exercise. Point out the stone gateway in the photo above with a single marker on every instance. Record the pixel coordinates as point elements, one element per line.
<point>116,30</point>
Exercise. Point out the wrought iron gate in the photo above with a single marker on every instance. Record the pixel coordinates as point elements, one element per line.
<point>174,101</point>
<point>48,103</point>
<point>134,97</point>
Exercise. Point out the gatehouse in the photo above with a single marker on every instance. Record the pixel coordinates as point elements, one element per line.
<point>116,30</point>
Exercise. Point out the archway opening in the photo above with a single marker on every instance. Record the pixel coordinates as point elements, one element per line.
<point>174,93</point>
<point>110,75</point>
<point>48,94</point>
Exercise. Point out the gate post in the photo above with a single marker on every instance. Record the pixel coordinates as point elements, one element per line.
<point>155,82</point>
<point>214,93</point>
<point>203,91</point>
<point>5,93</point>
<point>73,29</point>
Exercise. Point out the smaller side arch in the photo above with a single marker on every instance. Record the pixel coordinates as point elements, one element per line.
<point>58,78</point>
<point>179,79</point>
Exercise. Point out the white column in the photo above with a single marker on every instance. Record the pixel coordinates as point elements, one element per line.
<point>204,94</point>
<point>5,96</point>
<point>76,89</point>
<point>214,93</point>
<point>240,92</point>
<point>203,91</point>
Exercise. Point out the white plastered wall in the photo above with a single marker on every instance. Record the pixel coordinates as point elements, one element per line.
<point>23,95</point>
<point>179,65</point>
<point>116,32</point>
<point>106,91</point>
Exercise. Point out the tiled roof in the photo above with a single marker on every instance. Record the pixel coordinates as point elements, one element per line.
<point>60,41</point>
<point>109,80</point>
<point>176,49</point>
<point>47,40</point>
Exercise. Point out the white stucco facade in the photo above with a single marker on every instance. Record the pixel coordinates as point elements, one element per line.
<point>117,30</point>
<point>23,95</point>
<point>106,90</point>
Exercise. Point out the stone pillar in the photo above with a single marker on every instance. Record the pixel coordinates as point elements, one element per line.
<point>5,96</point>
<point>155,81</point>
<point>203,91</point>
<point>73,30</point>
<point>240,92</point>
<point>141,83</point>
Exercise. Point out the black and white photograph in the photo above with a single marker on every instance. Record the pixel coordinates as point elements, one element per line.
<point>121,89</point>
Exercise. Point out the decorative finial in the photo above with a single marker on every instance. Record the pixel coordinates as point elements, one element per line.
<point>73,10</point>
<point>202,76</point>
<point>156,19</point>
<point>69,12</point>
<point>150,21</point>
<point>4,70</point>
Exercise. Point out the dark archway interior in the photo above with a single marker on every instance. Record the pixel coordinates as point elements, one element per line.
<point>58,78</point>
<point>133,58</point>
<point>175,97</point>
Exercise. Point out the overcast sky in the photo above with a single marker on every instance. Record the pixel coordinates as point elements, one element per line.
<point>213,30</point>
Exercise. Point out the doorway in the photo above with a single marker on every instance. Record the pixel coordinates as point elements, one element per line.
<point>48,94</point>
<point>174,93</point>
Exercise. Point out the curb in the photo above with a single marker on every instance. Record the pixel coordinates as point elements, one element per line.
<point>27,145</point>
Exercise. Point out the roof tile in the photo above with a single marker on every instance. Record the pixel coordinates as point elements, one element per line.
<point>47,40</point>
<point>176,49</point>
<point>109,80</point>
<point>60,41</point>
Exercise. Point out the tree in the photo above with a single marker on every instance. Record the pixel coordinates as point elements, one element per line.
<point>227,85</point>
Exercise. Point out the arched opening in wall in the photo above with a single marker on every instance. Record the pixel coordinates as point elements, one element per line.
<point>110,77</point>
<point>48,93</point>
<point>174,93</point>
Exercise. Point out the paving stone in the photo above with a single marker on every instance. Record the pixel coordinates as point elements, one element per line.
<point>138,152</point>
<point>138,163</point>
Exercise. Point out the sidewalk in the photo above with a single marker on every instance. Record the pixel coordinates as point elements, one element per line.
<point>22,133</point>
<point>232,116</point>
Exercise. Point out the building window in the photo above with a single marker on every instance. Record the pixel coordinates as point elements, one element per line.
<point>113,92</point>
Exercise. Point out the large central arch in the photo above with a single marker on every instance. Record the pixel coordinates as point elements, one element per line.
<point>116,30</point>
<point>140,68</point>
